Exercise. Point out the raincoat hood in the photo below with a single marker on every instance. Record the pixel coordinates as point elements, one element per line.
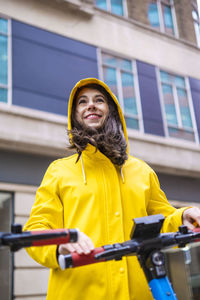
<point>85,82</point>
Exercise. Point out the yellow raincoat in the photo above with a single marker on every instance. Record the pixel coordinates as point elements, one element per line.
<point>101,200</point>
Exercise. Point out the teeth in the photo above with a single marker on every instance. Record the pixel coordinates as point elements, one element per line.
<point>91,116</point>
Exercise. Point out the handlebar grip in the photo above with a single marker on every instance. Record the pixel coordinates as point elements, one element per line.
<point>76,260</point>
<point>56,237</point>
<point>196,229</point>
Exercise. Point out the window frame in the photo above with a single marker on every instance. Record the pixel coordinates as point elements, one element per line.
<point>11,262</point>
<point>176,103</point>
<point>134,72</point>
<point>9,55</point>
<point>196,22</point>
<point>161,17</point>
<point>109,8</point>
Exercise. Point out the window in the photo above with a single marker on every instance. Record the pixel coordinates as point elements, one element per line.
<point>6,257</point>
<point>196,20</point>
<point>177,107</point>
<point>116,7</point>
<point>161,16</point>
<point>119,75</point>
<point>3,60</point>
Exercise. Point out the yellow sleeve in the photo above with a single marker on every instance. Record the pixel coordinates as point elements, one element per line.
<point>46,213</point>
<point>158,204</point>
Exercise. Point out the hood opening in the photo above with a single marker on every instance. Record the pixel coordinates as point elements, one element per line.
<point>105,89</point>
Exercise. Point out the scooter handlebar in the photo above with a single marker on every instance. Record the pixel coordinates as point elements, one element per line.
<point>20,240</point>
<point>74,259</point>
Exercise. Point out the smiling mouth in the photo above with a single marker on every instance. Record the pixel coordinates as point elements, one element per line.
<point>93,116</point>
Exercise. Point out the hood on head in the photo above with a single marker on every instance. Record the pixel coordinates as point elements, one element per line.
<point>85,82</point>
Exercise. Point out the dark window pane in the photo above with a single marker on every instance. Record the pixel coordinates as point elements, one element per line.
<point>168,21</point>
<point>181,134</point>
<point>3,95</point>
<point>110,78</point>
<point>117,7</point>
<point>179,81</point>
<point>129,94</point>
<point>165,77</point>
<point>3,26</point>
<point>3,59</point>
<point>153,15</point>
<point>109,60</point>
<point>132,123</point>
<point>126,64</point>
<point>101,4</point>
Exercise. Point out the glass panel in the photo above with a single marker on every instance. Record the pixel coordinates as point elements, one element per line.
<point>168,22</point>
<point>179,81</point>
<point>184,108</point>
<point>195,15</point>
<point>101,4</point>
<point>117,7</point>
<point>109,60</point>
<point>126,64</point>
<point>181,134</point>
<point>170,109</point>
<point>153,15</point>
<point>3,26</point>
<point>132,123</point>
<point>6,256</point>
<point>165,77</point>
<point>3,60</point>
<point>110,78</point>
<point>197,32</point>
<point>3,95</point>
<point>128,90</point>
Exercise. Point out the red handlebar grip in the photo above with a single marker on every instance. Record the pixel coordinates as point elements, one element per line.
<point>54,237</point>
<point>197,229</point>
<point>86,259</point>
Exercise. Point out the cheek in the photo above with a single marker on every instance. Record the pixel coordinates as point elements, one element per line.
<point>78,114</point>
<point>106,111</point>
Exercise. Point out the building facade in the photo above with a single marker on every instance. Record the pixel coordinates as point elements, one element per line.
<point>148,52</point>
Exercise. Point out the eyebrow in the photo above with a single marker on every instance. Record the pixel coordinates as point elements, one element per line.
<point>98,95</point>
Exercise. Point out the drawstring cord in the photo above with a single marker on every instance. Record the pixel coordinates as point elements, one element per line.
<point>122,175</point>
<point>84,177</point>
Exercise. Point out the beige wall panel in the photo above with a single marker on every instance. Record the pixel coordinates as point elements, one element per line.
<point>22,259</point>
<point>123,36</point>
<point>23,203</point>
<point>24,279</point>
<point>21,220</point>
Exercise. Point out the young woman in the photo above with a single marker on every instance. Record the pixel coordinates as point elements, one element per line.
<point>99,190</point>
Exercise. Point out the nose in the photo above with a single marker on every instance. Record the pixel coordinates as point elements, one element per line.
<point>91,105</point>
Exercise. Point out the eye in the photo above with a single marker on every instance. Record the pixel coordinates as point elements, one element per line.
<point>100,100</point>
<point>82,101</point>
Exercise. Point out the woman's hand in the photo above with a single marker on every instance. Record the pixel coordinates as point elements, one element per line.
<point>84,245</point>
<point>191,217</point>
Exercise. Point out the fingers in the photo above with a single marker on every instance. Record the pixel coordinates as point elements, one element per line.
<point>189,225</point>
<point>83,246</point>
<point>191,217</point>
<point>85,243</point>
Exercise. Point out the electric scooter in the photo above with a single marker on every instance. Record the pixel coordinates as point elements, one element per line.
<point>146,243</point>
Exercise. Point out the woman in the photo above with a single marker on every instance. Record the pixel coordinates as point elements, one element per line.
<point>99,190</point>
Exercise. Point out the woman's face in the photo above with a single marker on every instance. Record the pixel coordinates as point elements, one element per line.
<point>91,108</point>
